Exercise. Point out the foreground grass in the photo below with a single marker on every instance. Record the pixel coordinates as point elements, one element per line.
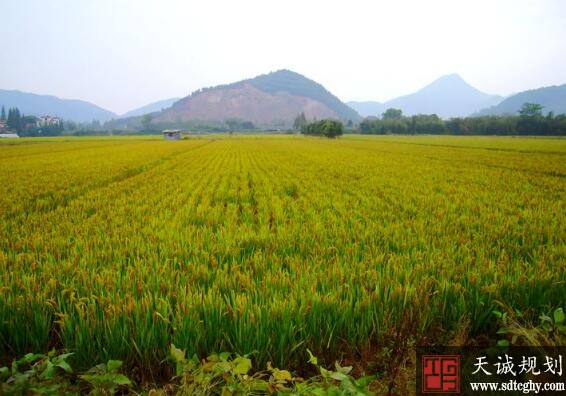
<point>117,248</point>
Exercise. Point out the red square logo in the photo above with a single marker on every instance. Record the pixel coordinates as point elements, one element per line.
<point>441,374</point>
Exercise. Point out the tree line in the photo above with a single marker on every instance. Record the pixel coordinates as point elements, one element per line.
<point>28,125</point>
<point>529,121</point>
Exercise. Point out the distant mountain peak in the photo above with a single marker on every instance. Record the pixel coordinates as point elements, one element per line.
<point>450,83</point>
<point>447,96</point>
<point>454,77</point>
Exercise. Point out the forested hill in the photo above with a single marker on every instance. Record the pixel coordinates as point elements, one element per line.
<point>297,84</point>
<point>269,100</point>
<point>552,99</point>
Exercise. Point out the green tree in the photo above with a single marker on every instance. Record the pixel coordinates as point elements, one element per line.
<point>232,124</point>
<point>247,126</point>
<point>531,120</point>
<point>70,125</point>
<point>427,123</point>
<point>372,126</point>
<point>333,128</point>
<point>328,128</point>
<point>146,122</point>
<point>531,110</point>
<point>14,119</point>
<point>299,122</point>
<point>3,114</point>
<point>392,114</point>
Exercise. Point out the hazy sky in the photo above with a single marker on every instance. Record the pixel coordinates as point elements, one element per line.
<point>122,54</point>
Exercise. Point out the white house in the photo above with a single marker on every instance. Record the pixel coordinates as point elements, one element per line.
<point>47,121</point>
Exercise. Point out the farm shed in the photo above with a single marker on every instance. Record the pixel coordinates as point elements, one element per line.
<point>171,134</point>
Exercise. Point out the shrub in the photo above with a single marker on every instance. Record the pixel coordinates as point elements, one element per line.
<point>328,128</point>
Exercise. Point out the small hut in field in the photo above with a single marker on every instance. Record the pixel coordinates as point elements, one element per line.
<point>171,134</point>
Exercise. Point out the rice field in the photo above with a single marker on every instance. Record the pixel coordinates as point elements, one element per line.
<point>116,248</point>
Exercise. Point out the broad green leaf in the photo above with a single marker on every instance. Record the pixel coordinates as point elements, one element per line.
<point>279,375</point>
<point>503,343</point>
<point>177,354</point>
<point>92,378</point>
<point>65,366</point>
<point>4,373</point>
<point>338,376</point>
<point>30,358</point>
<point>208,366</point>
<point>224,356</point>
<point>344,370</point>
<point>241,365</point>
<point>113,365</point>
<point>99,368</point>
<point>559,316</point>
<point>325,373</point>
<point>282,375</point>
<point>213,358</point>
<point>120,379</point>
<point>222,367</point>
<point>63,356</point>
<point>49,371</point>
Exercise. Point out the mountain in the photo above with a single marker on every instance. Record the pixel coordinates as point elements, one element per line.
<point>368,109</point>
<point>273,99</point>
<point>38,105</point>
<point>448,96</point>
<point>150,108</point>
<point>552,98</point>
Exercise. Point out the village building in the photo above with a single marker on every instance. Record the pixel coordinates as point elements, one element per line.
<point>46,120</point>
<point>171,134</point>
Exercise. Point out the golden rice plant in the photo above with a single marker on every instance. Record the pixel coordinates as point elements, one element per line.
<point>117,248</point>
